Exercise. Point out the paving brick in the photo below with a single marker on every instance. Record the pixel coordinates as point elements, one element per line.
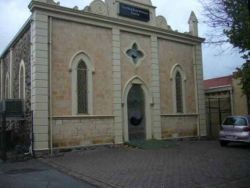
<point>187,164</point>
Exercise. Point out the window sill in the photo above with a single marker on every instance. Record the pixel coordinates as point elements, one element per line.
<point>82,116</point>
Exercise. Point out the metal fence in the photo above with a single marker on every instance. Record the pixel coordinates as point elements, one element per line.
<point>14,129</point>
<point>217,109</point>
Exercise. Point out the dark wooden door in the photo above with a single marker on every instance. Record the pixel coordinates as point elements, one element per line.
<point>136,113</point>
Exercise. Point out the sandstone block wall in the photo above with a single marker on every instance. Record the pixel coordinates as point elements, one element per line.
<point>170,54</point>
<point>69,38</point>
<point>239,99</point>
<point>143,67</point>
<point>179,126</point>
<point>70,132</point>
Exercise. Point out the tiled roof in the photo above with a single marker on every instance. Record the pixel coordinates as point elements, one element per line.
<point>218,82</point>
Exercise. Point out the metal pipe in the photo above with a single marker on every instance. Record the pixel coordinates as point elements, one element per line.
<point>32,135</point>
<point>196,91</point>
<point>50,86</point>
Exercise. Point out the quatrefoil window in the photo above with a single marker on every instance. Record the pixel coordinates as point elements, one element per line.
<point>135,53</point>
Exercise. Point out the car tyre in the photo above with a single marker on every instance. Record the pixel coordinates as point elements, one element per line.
<point>223,143</point>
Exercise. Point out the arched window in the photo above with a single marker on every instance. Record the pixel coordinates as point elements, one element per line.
<point>7,87</point>
<point>178,78</point>
<point>82,88</point>
<point>22,80</point>
<point>178,93</point>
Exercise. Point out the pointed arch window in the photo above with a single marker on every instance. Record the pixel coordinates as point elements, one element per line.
<point>178,79</point>
<point>178,92</point>
<point>82,88</point>
<point>7,87</point>
<point>22,81</point>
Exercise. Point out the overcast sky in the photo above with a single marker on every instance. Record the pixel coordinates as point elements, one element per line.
<point>13,14</point>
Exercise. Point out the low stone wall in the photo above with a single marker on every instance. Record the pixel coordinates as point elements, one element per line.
<point>177,126</point>
<point>82,131</point>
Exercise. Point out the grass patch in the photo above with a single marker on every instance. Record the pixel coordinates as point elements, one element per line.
<point>151,144</point>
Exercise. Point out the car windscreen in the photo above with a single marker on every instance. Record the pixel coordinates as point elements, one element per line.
<point>239,121</point>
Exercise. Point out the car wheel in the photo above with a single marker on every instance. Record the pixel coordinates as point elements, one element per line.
<point>223,143</point>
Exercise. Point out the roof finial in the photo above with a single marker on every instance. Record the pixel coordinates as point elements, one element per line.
<point>193,24</point>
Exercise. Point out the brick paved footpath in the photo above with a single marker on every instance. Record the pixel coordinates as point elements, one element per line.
<point>188,164</point>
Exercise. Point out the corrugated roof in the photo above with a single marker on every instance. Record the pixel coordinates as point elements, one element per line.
<point>218,82</point>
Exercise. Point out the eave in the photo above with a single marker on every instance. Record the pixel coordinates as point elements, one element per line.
<point>19,34</point>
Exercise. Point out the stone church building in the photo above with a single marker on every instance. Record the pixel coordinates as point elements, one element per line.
<point>110,73</point>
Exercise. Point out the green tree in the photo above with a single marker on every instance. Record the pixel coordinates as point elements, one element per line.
<point>243,74</point>
<point>230,20</point>
<point>239,28</point>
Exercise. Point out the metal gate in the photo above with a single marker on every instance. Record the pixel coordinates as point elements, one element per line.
<point>217,110</point>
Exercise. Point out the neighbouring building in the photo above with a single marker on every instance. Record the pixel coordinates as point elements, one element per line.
<point>224,97</point>
<point>107,74</point>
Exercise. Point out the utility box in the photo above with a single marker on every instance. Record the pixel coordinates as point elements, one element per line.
<point>13,108</point>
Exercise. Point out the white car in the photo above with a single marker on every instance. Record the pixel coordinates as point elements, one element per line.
<point>235,129</point>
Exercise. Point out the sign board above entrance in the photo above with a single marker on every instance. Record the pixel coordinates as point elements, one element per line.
<point>133,12</point>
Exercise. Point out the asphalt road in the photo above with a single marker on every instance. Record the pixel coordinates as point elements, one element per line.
<point>34,174</point>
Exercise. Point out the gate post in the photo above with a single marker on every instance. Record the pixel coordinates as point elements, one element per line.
<point>219,111</point>
<point>209,116</point>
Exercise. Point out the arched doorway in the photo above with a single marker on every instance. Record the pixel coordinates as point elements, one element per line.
<point>137,86</point>
<point>136,113</point>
